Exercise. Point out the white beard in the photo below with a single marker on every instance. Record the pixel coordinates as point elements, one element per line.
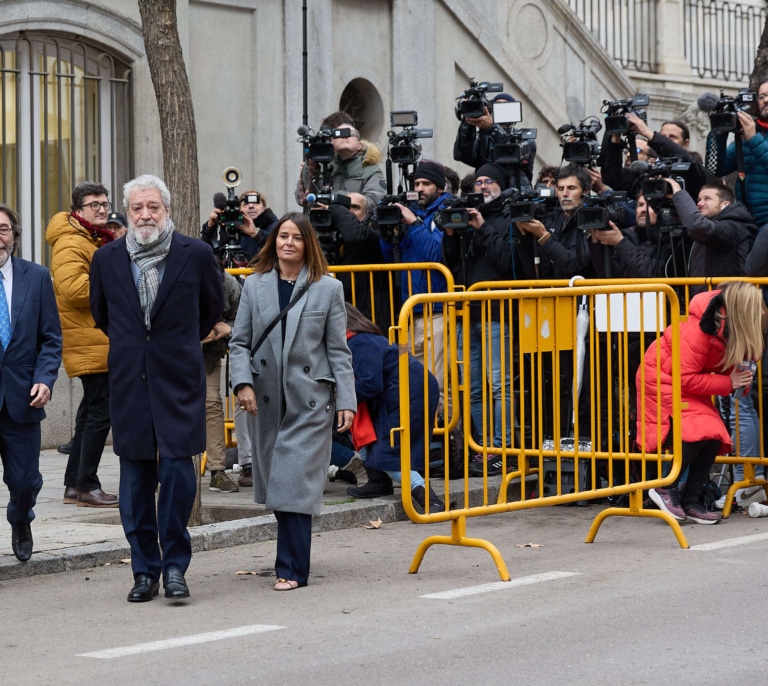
<point>146,234</point>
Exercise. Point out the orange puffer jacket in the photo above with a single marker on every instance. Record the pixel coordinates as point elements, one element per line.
<point>85,346</point>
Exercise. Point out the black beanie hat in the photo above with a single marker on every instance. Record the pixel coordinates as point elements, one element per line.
<point>432,171</point>
<point>493,171</point>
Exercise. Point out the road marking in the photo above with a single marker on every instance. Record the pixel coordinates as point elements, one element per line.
<point>730,542</point>
<point>499,585</point>
<point>195,639</point>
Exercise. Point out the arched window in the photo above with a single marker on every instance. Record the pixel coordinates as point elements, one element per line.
<point>65,117</point>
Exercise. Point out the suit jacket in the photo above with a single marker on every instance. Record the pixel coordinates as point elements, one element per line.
<point>293,381</point>
<point>156,376</point>
<point>34,352</point>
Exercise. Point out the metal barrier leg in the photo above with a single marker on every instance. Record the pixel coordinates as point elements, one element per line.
<point>636,509</point>
<point>507,478</point>
<point>458,537</point>
<point>750,479</point>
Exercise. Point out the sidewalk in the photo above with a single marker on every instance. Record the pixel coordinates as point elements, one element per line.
<point>70,537</point>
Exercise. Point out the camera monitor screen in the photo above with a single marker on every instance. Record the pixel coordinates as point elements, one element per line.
<point>507,112</point>
<point>403,118</point>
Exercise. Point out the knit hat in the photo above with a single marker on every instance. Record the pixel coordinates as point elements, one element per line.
<point>502,96</point>
<point>493,171</point>
<point>432,171</point>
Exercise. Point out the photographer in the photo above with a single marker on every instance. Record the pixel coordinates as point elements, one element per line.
<point>354,167</point>
<point>420,240</point>
<point>556,248</point>
<point>722,230</point>
<point>482,252</point>
<point>359,244</point>
<point>671,141</point>
<point>474,144</point>
<point>755,142</point>
<point>258,221</point>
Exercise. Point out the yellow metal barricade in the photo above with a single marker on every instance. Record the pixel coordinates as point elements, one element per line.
<point>542,343</point>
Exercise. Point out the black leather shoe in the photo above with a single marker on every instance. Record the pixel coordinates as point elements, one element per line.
<point>175,586</point>
<point>21,541</point>
<point>144,589</point>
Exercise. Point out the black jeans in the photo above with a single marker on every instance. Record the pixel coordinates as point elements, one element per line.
<point>91,431</point>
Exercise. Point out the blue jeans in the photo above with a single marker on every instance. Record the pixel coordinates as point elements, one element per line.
<point>491,339</point>
<point>749,431</point>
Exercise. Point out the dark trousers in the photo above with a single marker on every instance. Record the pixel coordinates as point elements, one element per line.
<point>91,431</point>
<point>20,453</point>
<point>145,524</point>
<point>294,540</point>
<point>699,458</point>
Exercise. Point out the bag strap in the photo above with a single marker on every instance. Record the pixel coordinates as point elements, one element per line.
<point>280,316</point>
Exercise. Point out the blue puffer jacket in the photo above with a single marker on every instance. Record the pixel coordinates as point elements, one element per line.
<point>755,166</point>
<point>422,242</point>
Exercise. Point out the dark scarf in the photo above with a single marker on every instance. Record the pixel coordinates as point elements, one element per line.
<point>103,235</point>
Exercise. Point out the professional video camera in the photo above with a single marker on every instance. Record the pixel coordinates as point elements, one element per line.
<point>525,207</point>
<point>386,216</point>
<point>403,147</point>
<point>653,181</point>
<point>472,102</point>
<point>318,146</point>
<point>229,221</point>
<point>597,211</point>
<point>724,116</point>
<point>616,112</point>
<point>580,144</point>
<point>668,221</point>
<point>455,215</point>
<point>510,146</point>
<point>322,221</point>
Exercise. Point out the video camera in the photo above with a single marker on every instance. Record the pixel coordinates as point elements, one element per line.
<point>455,215</point>
<point>525,207</point>
<point>403,148</point>
<point>653,181</point>
<point>318,146</point>
<point>472,102</point>
<point>616,112</point>
<point>386,216</point>
<point>585,149</point>
<point>320,217</point>
<point>724,117</point>
<point>510,146</point>
<point>596,211</point>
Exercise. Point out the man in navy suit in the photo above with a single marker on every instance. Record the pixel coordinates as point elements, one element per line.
<point>30,356</point>
<point>156,294</point>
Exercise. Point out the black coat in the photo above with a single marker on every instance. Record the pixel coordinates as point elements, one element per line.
<point>157,376</point>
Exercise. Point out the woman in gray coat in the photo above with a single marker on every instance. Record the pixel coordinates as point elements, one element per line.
<point>295,384</point>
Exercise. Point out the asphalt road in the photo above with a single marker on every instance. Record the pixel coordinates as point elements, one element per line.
<point>632,608</point>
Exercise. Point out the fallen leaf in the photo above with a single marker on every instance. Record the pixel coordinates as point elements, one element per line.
<point>376,524</point>
<point>240,573</point>
<point>126,561</point>
<point>529,545</point>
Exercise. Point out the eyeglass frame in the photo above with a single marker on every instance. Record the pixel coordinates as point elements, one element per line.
<point>6,230</point>
<point>488,181</point>
<point>103,205</point>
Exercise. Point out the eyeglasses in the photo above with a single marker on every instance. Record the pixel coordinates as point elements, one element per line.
<point>96,205</point>
<point>484,182</point>
<point>5,230</point>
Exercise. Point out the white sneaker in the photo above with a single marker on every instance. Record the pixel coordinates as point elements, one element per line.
<point>758,510</point>
<point>720,502</point>
<point>745,497</point>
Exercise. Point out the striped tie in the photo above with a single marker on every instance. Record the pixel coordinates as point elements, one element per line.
<point>5,318</point>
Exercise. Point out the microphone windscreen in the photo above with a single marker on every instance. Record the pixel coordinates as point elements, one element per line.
<point>303,130</point>
<point>311,197</point>
<point>565,128</point>
<point>640,166</point>
<point>219,201</point>
<point>707,102</point>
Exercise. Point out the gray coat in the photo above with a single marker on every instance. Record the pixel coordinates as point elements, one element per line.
<point>294,385</point>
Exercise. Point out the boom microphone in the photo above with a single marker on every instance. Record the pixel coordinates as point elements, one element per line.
<point>565,128</point>
<point>707,102</point>
<point>640,166</point>
<point>219,201</point>
<point>508,193</point>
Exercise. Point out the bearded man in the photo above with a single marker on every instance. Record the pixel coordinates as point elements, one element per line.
<point>156,294</point>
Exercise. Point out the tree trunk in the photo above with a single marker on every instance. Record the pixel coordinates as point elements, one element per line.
<point>177,117</point>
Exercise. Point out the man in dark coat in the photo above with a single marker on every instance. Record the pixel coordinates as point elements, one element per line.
<point>156,294</point>
<point>30,355</point>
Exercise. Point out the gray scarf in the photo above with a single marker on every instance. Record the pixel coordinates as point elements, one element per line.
<point>146,258</point>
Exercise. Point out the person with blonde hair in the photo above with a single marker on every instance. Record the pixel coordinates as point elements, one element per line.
<point>725,327</point>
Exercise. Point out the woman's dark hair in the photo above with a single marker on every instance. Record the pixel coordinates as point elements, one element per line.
<point>266,259</point>
<point>357,322</point>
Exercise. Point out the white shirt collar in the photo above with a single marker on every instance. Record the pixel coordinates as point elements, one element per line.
<point>7,270</point>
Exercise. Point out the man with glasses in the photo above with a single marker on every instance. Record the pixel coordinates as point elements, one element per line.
<point>754,133</point>
<point>74,237</point>
<point>30,356</point>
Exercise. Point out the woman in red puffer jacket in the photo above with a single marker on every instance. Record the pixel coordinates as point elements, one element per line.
<point>724,328</point>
